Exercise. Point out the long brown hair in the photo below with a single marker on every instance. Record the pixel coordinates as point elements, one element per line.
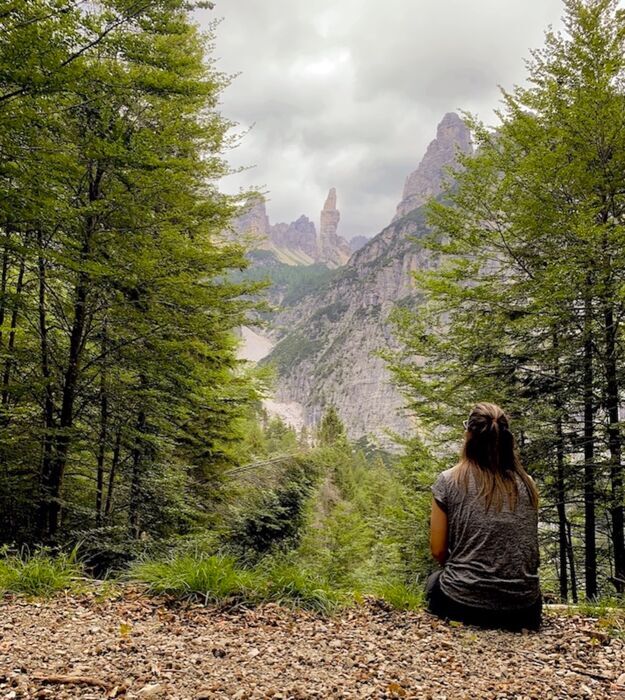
<point>491,456</point>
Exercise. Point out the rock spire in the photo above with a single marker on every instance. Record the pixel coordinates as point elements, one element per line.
<point>330,216</point>
<point>333,250</point>
<point>296,243</point>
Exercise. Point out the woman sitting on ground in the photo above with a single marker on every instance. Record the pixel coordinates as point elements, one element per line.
<point>484,531</point>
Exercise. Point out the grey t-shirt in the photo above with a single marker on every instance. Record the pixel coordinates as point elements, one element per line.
<point>493,556</point>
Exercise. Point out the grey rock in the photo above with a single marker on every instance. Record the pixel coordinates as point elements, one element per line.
<point>298,235</point>
<point>253,219</point>
<point>357,242</point>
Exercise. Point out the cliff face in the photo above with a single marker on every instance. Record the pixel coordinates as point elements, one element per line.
<point>253,219</point>
<point>328,338</point>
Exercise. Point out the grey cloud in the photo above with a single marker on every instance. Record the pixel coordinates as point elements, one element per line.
<point>348,94</point>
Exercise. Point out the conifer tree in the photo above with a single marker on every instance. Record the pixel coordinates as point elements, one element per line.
<point>331,429</point>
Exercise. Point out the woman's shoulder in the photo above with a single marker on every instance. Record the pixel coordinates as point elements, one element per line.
<point>451,474</point>
<point>446,479</point>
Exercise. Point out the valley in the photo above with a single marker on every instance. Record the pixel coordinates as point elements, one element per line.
<point>331,316</point>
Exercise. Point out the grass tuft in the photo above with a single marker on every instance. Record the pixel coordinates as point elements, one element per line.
<point>219,579</point>
<point>212,579</point>
<point>401,596</point>
<point>38,574</point>
<point>291,586</point>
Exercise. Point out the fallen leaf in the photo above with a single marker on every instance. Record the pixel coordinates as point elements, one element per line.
<point>125,629</point>
<point>396,689</point>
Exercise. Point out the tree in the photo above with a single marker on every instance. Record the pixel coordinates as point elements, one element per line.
<point>331,430</point>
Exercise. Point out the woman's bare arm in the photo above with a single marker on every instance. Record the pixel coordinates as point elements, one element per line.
<point>438,533</point>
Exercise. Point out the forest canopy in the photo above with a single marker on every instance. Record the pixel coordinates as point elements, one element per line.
<point>121,392</point>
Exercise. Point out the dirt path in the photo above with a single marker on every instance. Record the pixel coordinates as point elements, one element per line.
<point>137,648</point>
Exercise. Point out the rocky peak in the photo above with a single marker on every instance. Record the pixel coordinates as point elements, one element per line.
<point>300,234</point>
<point>253,218</point>
<point>304,224</point>
<point>330,216</point>
<point>452,136</point>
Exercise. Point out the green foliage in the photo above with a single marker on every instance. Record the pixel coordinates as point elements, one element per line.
<point>291,350</point>
<point>290,282</point>
<point>272,516</point>
<point>280,438</point>
<point>38,573</point>
<point>365,525</point>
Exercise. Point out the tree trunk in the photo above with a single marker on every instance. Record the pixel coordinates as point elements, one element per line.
<point>3,279</point>
<point>113,471</point>
<point>48,407</point>
<point>561,508</point>
<point>571,554</point>
<point>560,475</point>
<point>103,436</point>
<point>6,378</point>
<point>135,487</point>
<point>590,545</point>
<point>614,444</point>
<point>70,382</point>
<point>67,407</point>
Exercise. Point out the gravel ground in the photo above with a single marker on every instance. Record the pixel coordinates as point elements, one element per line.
<point>137,647</point>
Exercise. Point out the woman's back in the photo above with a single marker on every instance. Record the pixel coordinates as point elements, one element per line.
<point>493,551</point>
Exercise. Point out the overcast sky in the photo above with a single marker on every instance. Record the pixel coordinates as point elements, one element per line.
<point>348,93</point>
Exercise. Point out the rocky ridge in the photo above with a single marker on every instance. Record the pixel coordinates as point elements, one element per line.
<point>296,243</point>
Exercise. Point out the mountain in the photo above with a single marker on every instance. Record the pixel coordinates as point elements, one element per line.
<point>296,243</point>
<point>328,337</point>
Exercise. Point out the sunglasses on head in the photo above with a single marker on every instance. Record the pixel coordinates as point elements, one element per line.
<point>466,424</point>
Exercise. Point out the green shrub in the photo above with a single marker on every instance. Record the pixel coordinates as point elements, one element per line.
<point>273,516</point>
<point>39,573</point>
